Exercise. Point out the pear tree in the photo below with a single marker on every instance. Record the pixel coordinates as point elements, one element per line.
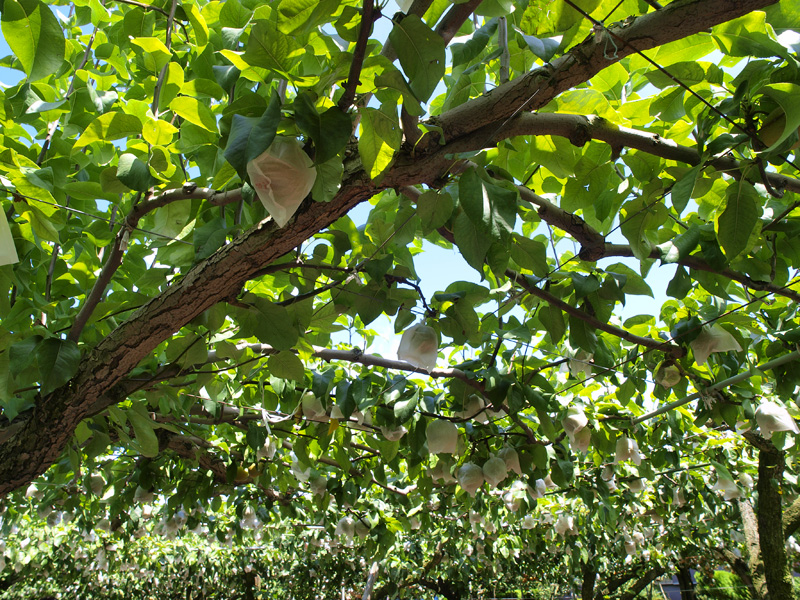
<point>376,299</point>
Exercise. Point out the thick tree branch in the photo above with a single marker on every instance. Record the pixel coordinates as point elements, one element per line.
<point>580,129</point>
<point>791,519</point>
<point>641,583</point>
<point>771,464</point>
<point>596,323</point>
<point>454,18</point>
<point>739,566</point>
<point>538,87</point>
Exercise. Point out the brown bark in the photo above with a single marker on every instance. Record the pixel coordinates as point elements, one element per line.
<point>30,448</point>
<point>641,583</point>
<point>791,519</point>
<point>686,584</point>
<point>740,568</point>
<point>756,565</point>
<point>589,576</point>
<point>770,524</point>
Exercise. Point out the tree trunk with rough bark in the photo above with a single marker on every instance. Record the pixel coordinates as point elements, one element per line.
<point>752,538</point>
<point>770,524</point>
<point>686,584</point>
<point>645,580</point>
<point>587,582</point>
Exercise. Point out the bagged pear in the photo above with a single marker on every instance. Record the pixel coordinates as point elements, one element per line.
<point>419,346</point>
<point>282,176</point>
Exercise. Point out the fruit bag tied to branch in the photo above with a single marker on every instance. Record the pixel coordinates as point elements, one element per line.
<point>282,176</point>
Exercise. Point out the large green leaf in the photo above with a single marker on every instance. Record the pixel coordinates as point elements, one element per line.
<point>286,365</point>
<point>144,429</point>
<point>491,208</point>
<point>330,130</point>
<point>271,49</point>
<point>421,53</point>
<point>35,36</point>
<point>472,242</point>
<point>251,136</point>
<point>434,210</point>
<point>301,16</point>
<point>109,127</point>
<point>275,326</point>
<point>786,95</point>
<point>8,252</point>
<point>380,139</point>
<point>134,173</point>
<point>639,219</point>
<point>736,223</point>
<point>195,112</point>
<point>58,361</point>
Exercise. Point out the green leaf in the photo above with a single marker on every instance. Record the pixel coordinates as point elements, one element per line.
<point>785,94</point>
<point>404,409</point>
<point>269,48</point>
<point>275,326</point>
<point>582,335</point>
<point>492,209</point>
<point>634,283</point>
<point>682,190</point>
<point>144,430</point>
<point>157,55</point>
<point>58,361</point>
<point>544,48</point>
<point>195,112</point>
<point>680,246</point>
<point>251,136</point>
<point>393,79</point>
<point>465,53</point>
<point>134,173</point>
<point>209,237</point>
<point>564,16</point>
<point>380,139</point>
<point>286,365</point>
<point>680,284</point>
<point>172,218</point>
<point>421,53</point>
<point>198,24</point>
<point>434,209</point>
<point>22,353</point>
<point>35,37</point>
<point>552,319</point>
<point>330,130</point>
<point>109,127</point>
<point>740,217</point>
<point>638,219</point>
<point>329,180</point>
<point>472,242</point>
<point>301,16</point>
<point>8,250</point>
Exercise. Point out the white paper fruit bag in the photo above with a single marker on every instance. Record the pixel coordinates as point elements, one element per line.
<point>282,176</point>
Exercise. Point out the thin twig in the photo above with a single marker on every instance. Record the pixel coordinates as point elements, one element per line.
<point>367,17</point>
<point>505,57</point>
<point>596,323</point>
<point>163,73</point>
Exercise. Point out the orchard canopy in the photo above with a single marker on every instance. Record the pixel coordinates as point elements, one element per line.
<point>216,213</point>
